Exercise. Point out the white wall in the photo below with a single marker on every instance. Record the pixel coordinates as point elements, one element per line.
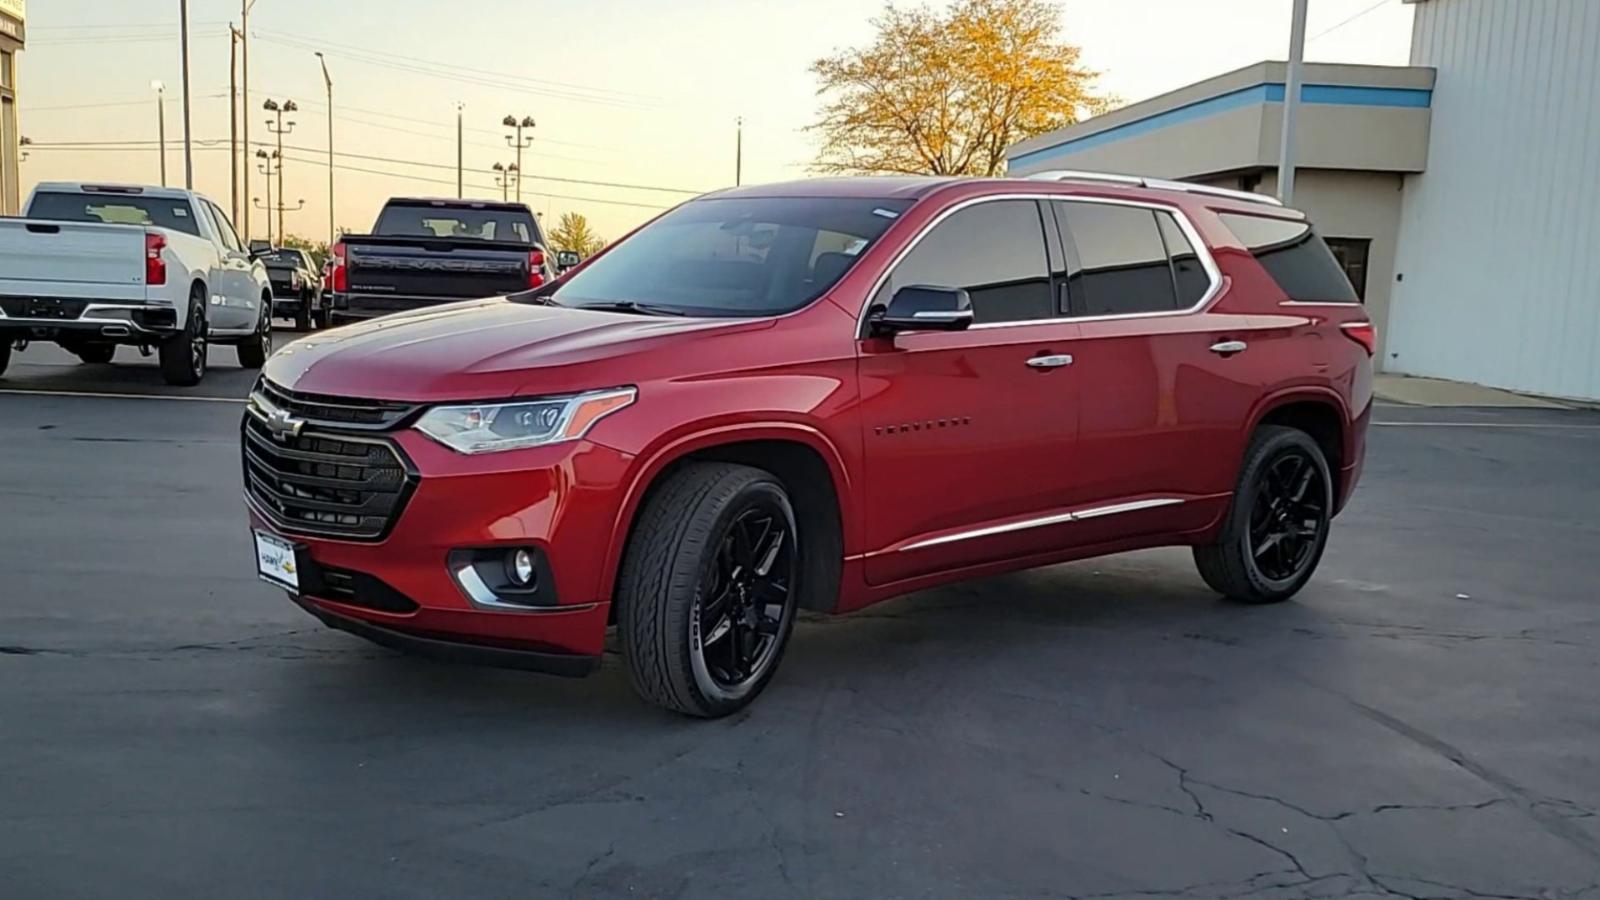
<point>1499,245</point>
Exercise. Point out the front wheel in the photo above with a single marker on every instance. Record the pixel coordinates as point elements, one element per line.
<point>254,350</point>
<point>707,595</point>
<point>1277,526</point>
<point>183,356</point>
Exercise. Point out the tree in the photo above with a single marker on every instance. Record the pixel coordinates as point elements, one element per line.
<point>947,93</point>
<point>574,233</point>
<point>317,250</point>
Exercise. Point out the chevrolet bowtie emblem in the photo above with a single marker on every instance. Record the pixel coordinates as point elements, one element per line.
<point>282,425</point>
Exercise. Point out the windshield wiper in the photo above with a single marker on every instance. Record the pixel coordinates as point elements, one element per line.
<point>632,306</point>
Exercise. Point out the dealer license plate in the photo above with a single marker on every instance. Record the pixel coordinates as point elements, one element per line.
<point>275,561</point>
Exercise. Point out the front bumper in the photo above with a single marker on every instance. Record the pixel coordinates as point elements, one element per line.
<point>561,500</point>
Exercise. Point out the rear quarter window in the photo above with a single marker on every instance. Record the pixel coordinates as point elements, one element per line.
<point>1294,255</point>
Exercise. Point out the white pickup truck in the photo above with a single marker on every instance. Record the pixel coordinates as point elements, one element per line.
<point>94,266</point>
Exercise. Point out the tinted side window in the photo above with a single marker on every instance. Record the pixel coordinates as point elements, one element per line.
<point>1294,256</point>
<point>225,229</point>
<point>1123,261</point>
<point>1187,272</point>
<point>994,250</point>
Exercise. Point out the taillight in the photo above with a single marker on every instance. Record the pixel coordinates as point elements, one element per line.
<point>155,267</point>
<point>536,269</point>
<point>339,277</point>
<point>1362,333</point>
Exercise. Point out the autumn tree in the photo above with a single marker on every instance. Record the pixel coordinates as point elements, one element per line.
<point>574,233</point>
<point>945,93</point>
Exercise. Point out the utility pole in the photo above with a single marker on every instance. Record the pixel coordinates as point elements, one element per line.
<point>738,151</point>
<point>280,129</point>
<point>1291,103</point>
<point>233,119</point>
<point>244,45</point>
<point>268,169</point>
<point>161,126</point>
<point>517,142</point>
<point>460,168</point>
<point>328,79</point>
<point>188,146</point>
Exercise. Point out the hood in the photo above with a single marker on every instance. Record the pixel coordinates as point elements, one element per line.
<point>477,350</point>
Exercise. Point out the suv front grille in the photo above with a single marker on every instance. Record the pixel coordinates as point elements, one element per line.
<point>325,484</point>
<point>337,412</point>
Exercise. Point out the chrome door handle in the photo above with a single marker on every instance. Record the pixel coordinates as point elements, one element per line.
<point>1227,348</point>
<point>1054,361</point>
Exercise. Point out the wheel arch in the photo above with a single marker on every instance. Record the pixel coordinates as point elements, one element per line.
<point>1318,412</point>
<point>804,459</point>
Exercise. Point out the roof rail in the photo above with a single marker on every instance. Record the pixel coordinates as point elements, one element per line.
<point>1156,183</point>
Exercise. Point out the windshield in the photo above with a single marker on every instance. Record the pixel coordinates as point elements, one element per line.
<point>736,256</point>
<point>115,209</point>
<point>417,220</point>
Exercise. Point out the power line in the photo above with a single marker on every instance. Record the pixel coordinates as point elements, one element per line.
<point>1343,22</point>
<point>344,168</point>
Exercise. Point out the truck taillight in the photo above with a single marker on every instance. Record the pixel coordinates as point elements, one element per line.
<point>155,267</point>
<point>536,269</point>
<point>339,277</point>
<point>1362,333</point>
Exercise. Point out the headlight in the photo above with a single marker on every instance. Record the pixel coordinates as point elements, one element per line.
<point>491,427</point>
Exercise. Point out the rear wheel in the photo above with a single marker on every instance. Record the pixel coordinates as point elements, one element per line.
<point>5,352</point>
<point>303,320</point>
<point>254,350</point>
<point>1277,526</point>
<point>183,356</point>
<point>707,594</point>
<point>96,354</point>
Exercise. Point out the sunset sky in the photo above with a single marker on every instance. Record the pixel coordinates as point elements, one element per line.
<point>634,92</point>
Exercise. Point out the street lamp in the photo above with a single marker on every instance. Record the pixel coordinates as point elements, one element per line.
<point>280,128</point>
<point>328,79</point>
<point>161,125</point>
<point>518,142</point>
<point>270,165</point>
<point>505,177</point>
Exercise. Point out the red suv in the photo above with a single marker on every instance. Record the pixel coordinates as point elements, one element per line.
<point>817,396</point>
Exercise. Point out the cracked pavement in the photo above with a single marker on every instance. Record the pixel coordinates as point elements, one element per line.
<point>1421,723</point>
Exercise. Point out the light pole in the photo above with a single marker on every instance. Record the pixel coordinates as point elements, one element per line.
<point>505,177</point>
<point>328,79</point>
<point>244,47</point>
<point>188,146</point>
<point>738,151</point>
<point>280,128</point>
<point>233,119</point>
<point>268,169</point>
<point>460,166</point>
<point>1291,102</point>
<point>519,143</point>
<point>161,125</point>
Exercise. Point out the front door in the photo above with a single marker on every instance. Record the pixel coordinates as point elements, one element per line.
<point>969,435</point>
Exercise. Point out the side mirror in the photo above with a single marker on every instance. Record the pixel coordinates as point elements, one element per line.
<point>260,248</point>
<point>922,308</point>
<point>566,259</point>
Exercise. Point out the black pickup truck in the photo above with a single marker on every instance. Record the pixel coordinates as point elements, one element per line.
<point>423,252</point>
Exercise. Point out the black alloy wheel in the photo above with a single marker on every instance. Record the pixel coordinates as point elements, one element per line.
<point>1288,518</point>
<point>1278,521</point>
<point>709,587</point>
<point>746,598</point>
<point>183,356</point>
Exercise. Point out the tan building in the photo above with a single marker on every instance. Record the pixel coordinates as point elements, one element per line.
<point>12,35</point>
<point>1363,129</point>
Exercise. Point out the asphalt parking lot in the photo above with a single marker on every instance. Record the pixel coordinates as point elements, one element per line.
<point>1422,722</point>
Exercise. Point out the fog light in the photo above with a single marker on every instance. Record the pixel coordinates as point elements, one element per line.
<point>520,567</point>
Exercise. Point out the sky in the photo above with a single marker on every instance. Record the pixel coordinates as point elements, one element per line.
<point>635,100</point>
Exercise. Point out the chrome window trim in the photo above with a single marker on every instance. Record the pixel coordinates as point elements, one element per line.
<point>1095,512</point>
<point>1202,252</point>
<point>1345,303</point>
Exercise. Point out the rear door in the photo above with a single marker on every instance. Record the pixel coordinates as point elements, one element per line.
<point>969,440</point>
<point>1160,409</point>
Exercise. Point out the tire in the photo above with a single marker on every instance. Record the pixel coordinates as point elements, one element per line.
<point>96,354</point>
<point>319,318</point>
<point>254,350</point>
<point>183,356</point>
<point>302,318</point>
<point>5,352</point>
<point>1271,542</point>
<point>707,594</point>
